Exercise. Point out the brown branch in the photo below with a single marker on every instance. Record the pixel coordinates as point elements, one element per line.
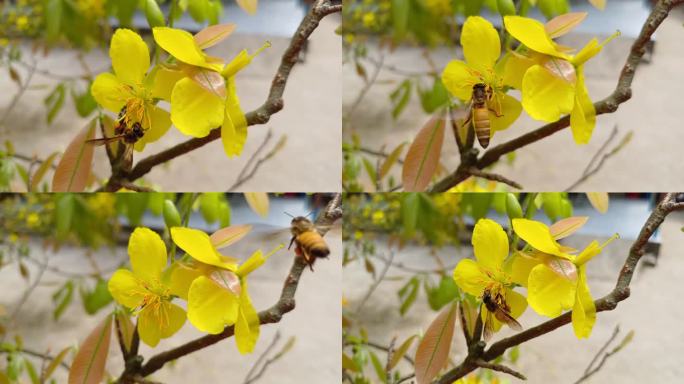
<point>274,314</point>
<point>499,368</point>
<point>606,303</point>
<point>474,171</point>
<point>621,94</point>
<point>273,104</point>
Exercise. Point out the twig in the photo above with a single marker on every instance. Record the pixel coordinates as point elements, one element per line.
<point>39,355</point>
<point>369,83</point>
<point>406,378</point>
<point>500,368</point>
<point>377,281</point>
<point>31,159</point>
<point>29,290</point>
<point>593,168</point>
<point>244,175</point>
<point>18,95</point>
<point>608,302</point>
<point>377,153</point>
<point>494,177</point>
<point>390,355</point>
<point>274,314</point>
<point>386,349</point>
<point>610,104</point>
<point>253,375</point>
<point>591,369</point>
<point>273,104</point>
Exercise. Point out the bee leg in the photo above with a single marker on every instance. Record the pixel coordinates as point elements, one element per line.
<point>291,242</point>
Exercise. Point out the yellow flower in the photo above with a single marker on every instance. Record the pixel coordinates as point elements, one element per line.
<point>482,48</point>
<point>557,280</point>
<point>216,288</point>
<point>203,95</point>
<point>144,290</point>
<point>130,87</point>
<point>551,80</point>
<point>490,245</point>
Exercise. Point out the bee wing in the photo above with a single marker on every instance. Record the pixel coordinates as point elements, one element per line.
<point>507,319</point>
<point>104,140</point>
<point>488,329</point>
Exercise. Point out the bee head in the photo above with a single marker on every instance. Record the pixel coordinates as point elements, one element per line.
<point>480,86</point>
<point>301,224</point>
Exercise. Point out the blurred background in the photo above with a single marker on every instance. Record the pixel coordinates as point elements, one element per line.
<point>57,252</point>
<point>398,275</point>
<point>46,98</point>
<point>391,75</point>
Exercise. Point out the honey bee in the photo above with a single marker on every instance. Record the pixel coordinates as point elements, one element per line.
<point>309,243</point>
<point>479,112</point>
<point>121,132</point>
<point>496,305</point>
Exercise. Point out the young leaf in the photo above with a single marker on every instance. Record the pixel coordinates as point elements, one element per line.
<point>378,366</point>
<point>54,101</point>
<point>89,363</point>
<point>42,170</point>
<point>566,227</point>
<point>50,369</point>
<point>560,25</point>
<point>400,97</point>
<point>229,235</point>
<point>401,351</point>
<point>599,200</point>
<point>126,327</point>
<point>391,159</point>
<point>249,6</point>
<point>433,350</point>
<point>347,363</point>
<point>258,201</point>
<point>213,34</point>
<point>423,155</point>
<point>73,169</point>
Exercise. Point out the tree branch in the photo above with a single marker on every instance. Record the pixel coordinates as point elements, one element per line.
<point>273,104</point>
<point>621,94</point>
<point>609,302</point>
<point>274,314</point>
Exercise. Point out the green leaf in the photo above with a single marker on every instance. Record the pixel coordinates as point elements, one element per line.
<point>97,298</point>
<point>54,363</point>
<point>171,216</point>
<point>391,160</point>
<point>401,351</point>
<point>15,366</point>
<point>42,170</point>
<point>348,363</point>
<point>408,294</point>
<point>513,208</point>
<point>64,213</point>
<point>552,204</point>
<point>63,298</point>
<point>400,17</point>
<point>409,212</point>
<point>199,10</point>
<point>31,370</point>
<point>154,15</point>
<point>379,369</point>
<point>446,292</point>
<point>54,101</point>
<point>53,19</point>
<point>370,170</point>
<point>224,214</point>
<point>435,97</point>
<point>209,206</point>
<point>400,97</point>
<point>84,102</point>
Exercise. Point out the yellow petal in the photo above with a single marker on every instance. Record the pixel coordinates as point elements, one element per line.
<point>181,45</point>
<point>480,42</point>
<point>532,34</point>
<point>584,310</point>
<point>255,261</point>
<point>109,92</point>
<point>161,122</point>
<point>126,289</point>
<point>490,244</point>
<point>147,253</point>
<point>470,278</point>
<point>516,66</point>
<point>545,96</point>
<point>240,61</point>
<point>130,56</point>
<point>459,79</point>
<point>194,110</point>
<point>521,266</point>
<point>148,326</point>
<point>538,236</point>
<point>583,115</point>
<point>247,326</point>
<point>182,277</point>
<point>210,307</point>
<point>164,81</point>
<point>588,253</point>
<point>548,293</point>
<point>234,127</point>
<point>172,320</point>
<point>504,110</point>
<point>590,50</point>
<point>198,245</point>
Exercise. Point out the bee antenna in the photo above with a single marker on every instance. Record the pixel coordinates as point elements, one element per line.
<point>288,214</point>
<point>309,214</point>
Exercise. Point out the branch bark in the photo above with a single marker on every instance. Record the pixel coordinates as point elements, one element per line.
<point>274,314</point>
<point>273,104</point>
<point>610,104</point>
<point>608,302</point>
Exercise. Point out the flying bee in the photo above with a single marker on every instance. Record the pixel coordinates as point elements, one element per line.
<point>483,95</point>
<point>309,243</point>
<point>496,305</point>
